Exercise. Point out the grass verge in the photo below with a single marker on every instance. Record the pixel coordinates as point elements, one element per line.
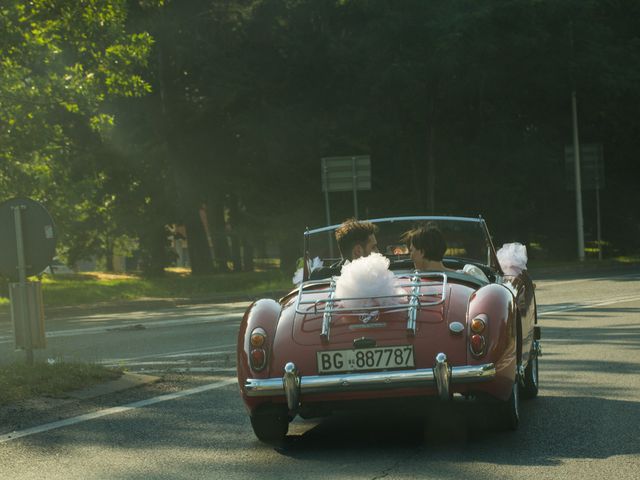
<point>93,287</point>
<point>20,381</point>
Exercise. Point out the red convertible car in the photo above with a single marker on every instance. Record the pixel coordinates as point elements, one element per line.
<point>440,334</point>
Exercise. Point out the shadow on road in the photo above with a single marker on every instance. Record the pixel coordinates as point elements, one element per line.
<point>552,429</point>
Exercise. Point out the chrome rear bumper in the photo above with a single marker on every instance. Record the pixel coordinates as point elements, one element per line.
<point>442,376</point>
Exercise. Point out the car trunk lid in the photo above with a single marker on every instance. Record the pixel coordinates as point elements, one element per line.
<point>383,324</point>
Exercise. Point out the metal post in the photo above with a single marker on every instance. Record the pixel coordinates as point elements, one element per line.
<point>22,279</point>
<point>354,177</point>
<point>576,158</point>
<point>598,210</point>
<point>325,171</point>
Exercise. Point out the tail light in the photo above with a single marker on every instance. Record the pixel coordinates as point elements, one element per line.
<point>477,325</point>
<point>258,353</point>
<point>477,344</point>
<point>478,329</point>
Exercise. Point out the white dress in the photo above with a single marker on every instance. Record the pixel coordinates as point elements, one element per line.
<point>474,271</point>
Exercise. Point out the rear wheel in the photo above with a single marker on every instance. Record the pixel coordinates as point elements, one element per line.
<point>270,423</point>
<point>530,381</point>
<point>508,413</point>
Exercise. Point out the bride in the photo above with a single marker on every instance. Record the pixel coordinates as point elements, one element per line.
<point>427,248</point>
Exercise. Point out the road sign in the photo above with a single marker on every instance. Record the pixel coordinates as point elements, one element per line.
<point>38,237</point>
<point>591,166</point>
<point>341,174</point>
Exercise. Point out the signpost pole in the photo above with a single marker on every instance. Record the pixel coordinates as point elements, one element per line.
<point>354,176</point>
<point>576,158</point>
<point>341,174</point>
<point>22,281</point>
<point>325,185</point>
<point>598,210</point>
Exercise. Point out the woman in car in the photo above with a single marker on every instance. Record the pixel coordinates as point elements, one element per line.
<point>427,248</point>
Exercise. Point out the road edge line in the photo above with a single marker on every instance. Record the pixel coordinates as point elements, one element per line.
<point>8,437</point>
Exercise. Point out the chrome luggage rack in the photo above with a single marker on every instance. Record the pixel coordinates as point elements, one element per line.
<point>410,301</point>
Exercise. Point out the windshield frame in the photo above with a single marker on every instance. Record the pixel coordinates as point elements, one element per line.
<point>491,262</point>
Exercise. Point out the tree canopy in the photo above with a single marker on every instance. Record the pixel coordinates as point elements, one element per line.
<point>125,117</point>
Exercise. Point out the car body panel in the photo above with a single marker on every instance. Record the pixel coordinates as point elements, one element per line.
<point>294,333</point>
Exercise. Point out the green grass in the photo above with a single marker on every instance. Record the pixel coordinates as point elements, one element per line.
<point>20,381</point>
<point>92,288</point>
<point>95,288</point>
<point>588,263</point>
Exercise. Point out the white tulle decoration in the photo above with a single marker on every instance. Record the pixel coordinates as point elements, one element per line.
<point>368,277</point>
<point>314,264</point>
<point>297,277</point>
<point>513,258</point>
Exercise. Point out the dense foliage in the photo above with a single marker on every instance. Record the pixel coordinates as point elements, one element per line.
<point>125,117</point>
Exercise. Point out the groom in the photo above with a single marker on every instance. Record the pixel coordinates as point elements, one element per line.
<point>356,239</point>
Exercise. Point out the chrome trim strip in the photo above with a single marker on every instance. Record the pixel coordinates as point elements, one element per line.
<point>348,382</point>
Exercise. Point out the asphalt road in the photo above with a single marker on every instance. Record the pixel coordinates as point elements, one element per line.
<point>584,424</point>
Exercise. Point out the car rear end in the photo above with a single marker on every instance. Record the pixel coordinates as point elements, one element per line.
<point>420,344</point>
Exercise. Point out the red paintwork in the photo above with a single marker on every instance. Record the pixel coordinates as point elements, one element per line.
<point>262,313</point>
<point>296,338</point>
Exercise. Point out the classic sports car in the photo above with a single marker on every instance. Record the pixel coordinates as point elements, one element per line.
<point>435,334</point>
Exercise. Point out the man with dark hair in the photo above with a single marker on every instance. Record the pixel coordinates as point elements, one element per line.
<point>356,239</point>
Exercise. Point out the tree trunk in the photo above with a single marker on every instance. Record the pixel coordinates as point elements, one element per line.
<point>199,253</point>
<point>234,221</point>
<point>154,251</point>
<point>290,250</point>
<point>431,171</point>
<point>109,254</point>
<point>247,264</point>
<point>218,232</point>
<point>179,155</point>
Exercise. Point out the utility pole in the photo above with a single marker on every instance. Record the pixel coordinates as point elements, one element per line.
<point>576,153</point>
<point>576,159</point>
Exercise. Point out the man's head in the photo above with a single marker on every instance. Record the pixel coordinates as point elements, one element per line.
<point>356,239</point>
<point>428,241</point>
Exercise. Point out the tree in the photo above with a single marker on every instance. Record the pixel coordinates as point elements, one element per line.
<point>60,64</point>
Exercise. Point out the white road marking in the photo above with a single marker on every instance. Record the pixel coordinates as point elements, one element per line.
<point>160,362</point>
<point>190,370</point>
<point>586,306</point>
<point>119,361</point>
<point>112,411</point>
<point>114,328</point>
<point>199,354</point>
<point>543,283</point>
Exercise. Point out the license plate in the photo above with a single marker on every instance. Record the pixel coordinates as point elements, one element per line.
<point>359,359</point>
